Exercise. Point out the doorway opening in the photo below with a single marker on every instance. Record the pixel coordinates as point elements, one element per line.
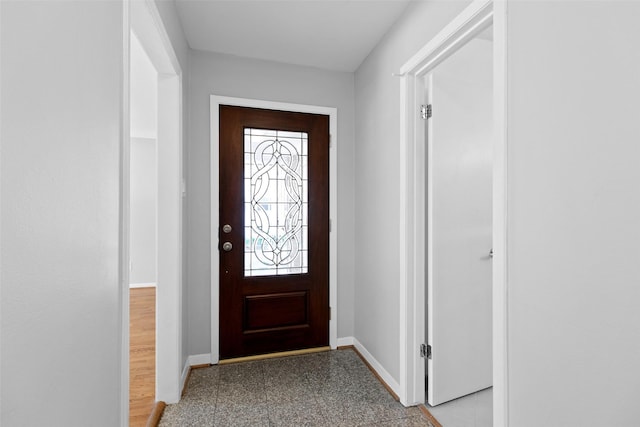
<point>217,234</point>
<point>143,211</point>
<point>459,166</point>
<point>152,186</point>
<point>417,78</point>
<point>274,204</point>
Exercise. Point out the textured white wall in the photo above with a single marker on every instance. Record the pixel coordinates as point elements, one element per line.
<point>378,178</point>
<point>246,78</point>
<point>61,128</point>
<point>574,213</point>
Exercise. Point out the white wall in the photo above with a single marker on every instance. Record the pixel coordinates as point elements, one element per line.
<point>377,182</point>
<point>144,202</point>
<point>171,21</point>
<point>574,213</point>
<point>246,78</point>
<point>62,67</point>
<point>144,184</point>
<point>144,93</point>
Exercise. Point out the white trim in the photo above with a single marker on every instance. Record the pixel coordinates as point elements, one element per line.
<point>124,220</point>
<point>216,101</point>
<point>122,380</point>
<point>426,85</point>
<point>141,285</point>
<point>169,232</point>
<point>153,37</point>
<point>184,374</point>
<point>377,366</point>
<point>475,18</point>
<point>123,398</point>
<point>344,341</point>
<point>145,20</point>
<point>500,220</point>
<point>193,360</point>
<point>464,27</point>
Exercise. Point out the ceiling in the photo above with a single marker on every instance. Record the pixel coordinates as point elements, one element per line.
<point>330,34</point>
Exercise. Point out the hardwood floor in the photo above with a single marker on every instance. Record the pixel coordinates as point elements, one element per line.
<point>142,354</point>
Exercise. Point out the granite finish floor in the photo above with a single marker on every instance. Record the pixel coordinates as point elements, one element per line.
<point>333,388</point>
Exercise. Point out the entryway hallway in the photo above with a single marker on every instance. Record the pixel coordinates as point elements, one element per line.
<point>333,388</point>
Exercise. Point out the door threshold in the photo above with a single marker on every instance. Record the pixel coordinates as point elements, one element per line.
<point>274,355</point>
<point>156,414</point>
<point>429,415</point>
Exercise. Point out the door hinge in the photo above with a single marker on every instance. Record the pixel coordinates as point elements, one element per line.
<point>425,351</point>
<point>426,111</point>
<point>330,311</point>
<point>330,225</point>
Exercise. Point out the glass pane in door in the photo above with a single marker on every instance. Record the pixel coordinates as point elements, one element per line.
<point>275,202</point>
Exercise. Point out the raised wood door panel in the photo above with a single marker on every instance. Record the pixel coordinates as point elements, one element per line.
<point>274,196</point>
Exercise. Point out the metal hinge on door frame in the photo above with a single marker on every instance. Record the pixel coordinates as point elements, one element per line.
<point>426,111</point>
<point>425,351</point>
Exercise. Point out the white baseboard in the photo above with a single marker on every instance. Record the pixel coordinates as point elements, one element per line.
<point>183,377</point>
<point>344,341</point>
<point>141,285</point>
<point>386,376</point>
<point>193,360</point>
<point>199,359</point>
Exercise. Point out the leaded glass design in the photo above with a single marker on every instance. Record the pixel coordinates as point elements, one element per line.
<point>275,202</point>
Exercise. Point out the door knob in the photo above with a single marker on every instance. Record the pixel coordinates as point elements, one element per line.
<point>227,246</point>
<point>226,228</point>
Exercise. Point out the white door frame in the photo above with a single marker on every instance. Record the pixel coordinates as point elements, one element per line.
<point>143,18</point>
<point>216,101</point>
<point>476,17</point>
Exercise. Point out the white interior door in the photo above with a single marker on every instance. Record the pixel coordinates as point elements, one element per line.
<point>459,223</point>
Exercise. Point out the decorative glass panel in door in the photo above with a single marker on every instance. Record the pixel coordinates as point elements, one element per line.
<point>274,231</point>
<point>275,202</point>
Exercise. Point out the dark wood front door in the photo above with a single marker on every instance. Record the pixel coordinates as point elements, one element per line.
<point>273,231</point>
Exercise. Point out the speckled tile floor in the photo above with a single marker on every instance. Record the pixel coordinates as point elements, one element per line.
<point>333,388</point>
